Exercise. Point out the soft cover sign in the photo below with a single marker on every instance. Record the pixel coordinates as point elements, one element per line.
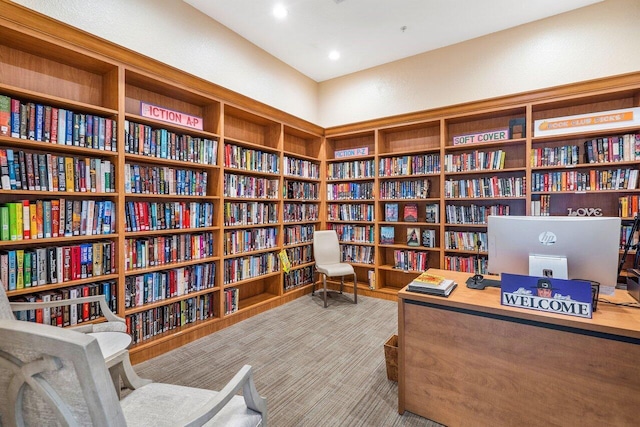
<point>570,297</point>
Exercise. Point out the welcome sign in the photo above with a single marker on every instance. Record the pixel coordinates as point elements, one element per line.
<point>570,297</point>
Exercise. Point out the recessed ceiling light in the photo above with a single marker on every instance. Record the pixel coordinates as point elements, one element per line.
<point>334,55</point>
<point>279,11</point>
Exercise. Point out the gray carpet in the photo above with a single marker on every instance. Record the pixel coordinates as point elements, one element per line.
<point>315,366</point>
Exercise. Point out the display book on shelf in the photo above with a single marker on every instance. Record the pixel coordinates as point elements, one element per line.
<point>428,283</point>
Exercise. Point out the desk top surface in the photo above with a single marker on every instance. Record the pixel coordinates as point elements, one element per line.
<point>608,318</point>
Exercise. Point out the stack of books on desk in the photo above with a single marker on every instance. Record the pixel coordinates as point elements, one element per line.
<point>433,284</point>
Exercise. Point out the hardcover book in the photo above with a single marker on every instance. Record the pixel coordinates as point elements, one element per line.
<point>387,235</point>
<point>413,236</point>
<point>391,212</point>
<point>411,212</point>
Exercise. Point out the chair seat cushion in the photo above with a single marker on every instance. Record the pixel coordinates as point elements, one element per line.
<point>159,404</point>
<point>333,270</point>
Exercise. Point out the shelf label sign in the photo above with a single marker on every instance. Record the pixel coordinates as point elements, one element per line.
<point>352,152</point>
<point>569,297</point>
<point>491,136</point>
<point>603,120</point>
<point>170,116</point>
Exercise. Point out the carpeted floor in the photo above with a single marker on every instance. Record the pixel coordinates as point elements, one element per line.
<point>316,366</point>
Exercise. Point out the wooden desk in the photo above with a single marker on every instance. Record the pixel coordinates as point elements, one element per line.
<point>467,360</point>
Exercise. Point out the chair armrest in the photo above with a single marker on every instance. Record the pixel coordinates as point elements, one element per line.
<point>106,311</point>
<point>243,379</point>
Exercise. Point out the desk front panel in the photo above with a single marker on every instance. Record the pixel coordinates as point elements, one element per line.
<point>466,367</point>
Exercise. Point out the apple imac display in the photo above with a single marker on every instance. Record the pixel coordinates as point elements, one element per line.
<point>585,248</point>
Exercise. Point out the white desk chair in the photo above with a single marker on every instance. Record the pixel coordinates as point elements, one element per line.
<point>111,335</point>
<point>326,251</point>
<point>56,376</point>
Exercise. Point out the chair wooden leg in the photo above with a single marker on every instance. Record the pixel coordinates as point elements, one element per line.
<point>324,285</point>
<point>355,289</point>
<point>341,284</point>
<point>130,379</point>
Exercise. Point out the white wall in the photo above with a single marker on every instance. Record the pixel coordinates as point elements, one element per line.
<point>597,41</point>
<point>175,33</point>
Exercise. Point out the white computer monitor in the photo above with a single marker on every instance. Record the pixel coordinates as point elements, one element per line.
<point>586,248</point>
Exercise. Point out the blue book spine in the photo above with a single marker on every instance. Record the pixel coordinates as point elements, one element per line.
<point>15,118</point>
<point>39,122</point>
<point>69,128</point>
<point>13,270</point>
<point>12,170</point>
<point>106,222</point>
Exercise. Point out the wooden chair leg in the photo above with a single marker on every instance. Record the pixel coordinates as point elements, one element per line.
<point>355,289</point>
<point>324,285</point>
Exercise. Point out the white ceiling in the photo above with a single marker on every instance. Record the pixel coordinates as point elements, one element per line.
<point>369,32</point>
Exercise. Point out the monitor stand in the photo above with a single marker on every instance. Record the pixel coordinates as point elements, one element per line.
<point>548,266</point>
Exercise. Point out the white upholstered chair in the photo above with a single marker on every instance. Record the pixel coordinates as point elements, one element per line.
<point>111,335</point>
<point>326,251</point>
<point>57,376</point>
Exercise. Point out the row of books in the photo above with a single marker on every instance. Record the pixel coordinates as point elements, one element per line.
<point>473,214</point>
<point>590,180</point>
<point>357,254</point>
<point>301,212</point>
<point>147,252</point>
<point>24,170</point>
<point>300,254</point>
<point>302,190</point>
<point>353,233</point>
<point>626,237</point>
<point>159,285</point>
<point>541,206</point>
<point>165,144</point>
<point>141,179</point>
<point>295,234</point>
<point>246,267</point>
<point>475,160</point>
<point>628,206</point>
<point>466,240</point>
<point>405,189</point>
<point>72,314</point>
<point>43,219</point>
<point>251,186</point>
<point>153,216</point>
<point>466,264</point>
<point>350,191</point>
<point>45,123</point>
<point>408,260</point>
<point>350,212</point>
<point>409,165</point>
<point>624,148</point>
<point>299,277</point>
<point>33,267</point>
<point>231,300</point>
<point>565,155</point>
<point>486,187</point>
<point>253,239</point>
<point>352,170</point>
<point>238,157</point>
<point>155,321</point>
<point>250,213</point>
<point>413,235</point>
<point>301,168</point>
